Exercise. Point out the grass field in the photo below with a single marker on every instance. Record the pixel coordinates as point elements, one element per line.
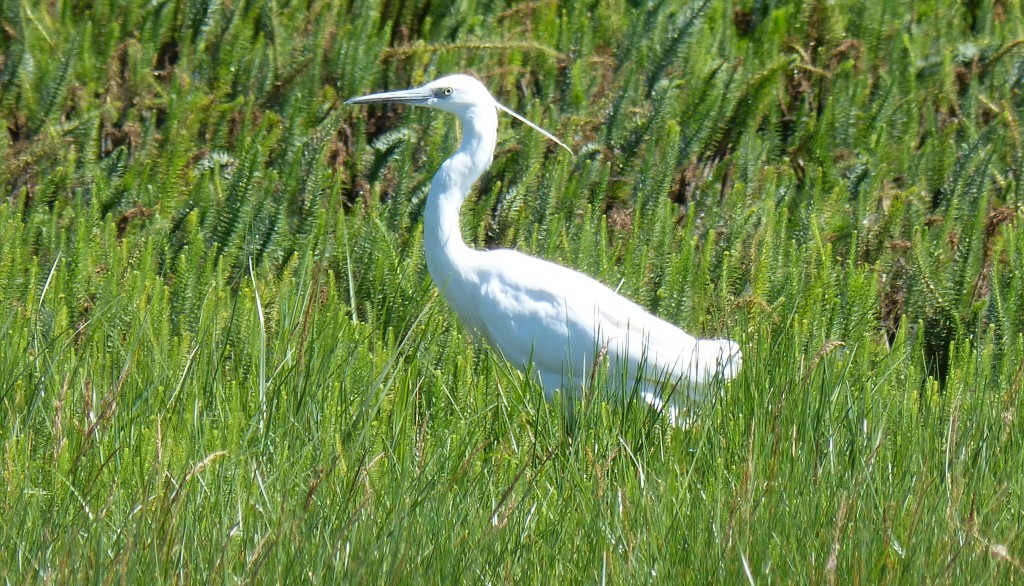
<point>222,358</point>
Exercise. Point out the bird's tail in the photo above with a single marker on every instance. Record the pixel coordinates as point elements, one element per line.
<point>726,355</point>
<point>712,360</point>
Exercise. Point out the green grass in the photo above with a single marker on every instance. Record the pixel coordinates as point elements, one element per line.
<point>222,359</point>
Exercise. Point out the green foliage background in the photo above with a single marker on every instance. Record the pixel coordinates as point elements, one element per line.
<point>222,359</point>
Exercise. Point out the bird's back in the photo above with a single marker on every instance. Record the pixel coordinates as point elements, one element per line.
<point>556,321</point>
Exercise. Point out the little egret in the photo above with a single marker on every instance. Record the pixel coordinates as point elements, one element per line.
<point>544,318</point>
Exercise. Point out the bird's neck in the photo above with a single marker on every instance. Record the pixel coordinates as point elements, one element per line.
<point>442,236</point>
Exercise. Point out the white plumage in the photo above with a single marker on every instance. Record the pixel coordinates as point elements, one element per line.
<point>543,317</point>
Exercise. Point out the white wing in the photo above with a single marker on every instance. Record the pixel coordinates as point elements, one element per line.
<point>555,320</point>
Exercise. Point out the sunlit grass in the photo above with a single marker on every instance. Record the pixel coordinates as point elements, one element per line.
<point>222,359</point>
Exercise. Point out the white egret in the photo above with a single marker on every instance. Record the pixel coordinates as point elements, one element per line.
<point>544,318</point>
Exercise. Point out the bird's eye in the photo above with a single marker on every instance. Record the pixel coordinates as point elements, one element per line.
<point>447,91</point>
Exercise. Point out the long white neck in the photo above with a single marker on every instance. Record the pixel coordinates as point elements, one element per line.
<point>442,236</point>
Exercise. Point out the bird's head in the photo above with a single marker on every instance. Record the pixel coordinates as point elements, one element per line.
<point>452,93</point>
<point>457,94</point>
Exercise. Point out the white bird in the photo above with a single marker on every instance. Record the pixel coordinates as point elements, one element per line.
<point>544,318</point>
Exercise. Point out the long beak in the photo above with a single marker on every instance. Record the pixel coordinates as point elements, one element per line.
<point>415,97</point>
